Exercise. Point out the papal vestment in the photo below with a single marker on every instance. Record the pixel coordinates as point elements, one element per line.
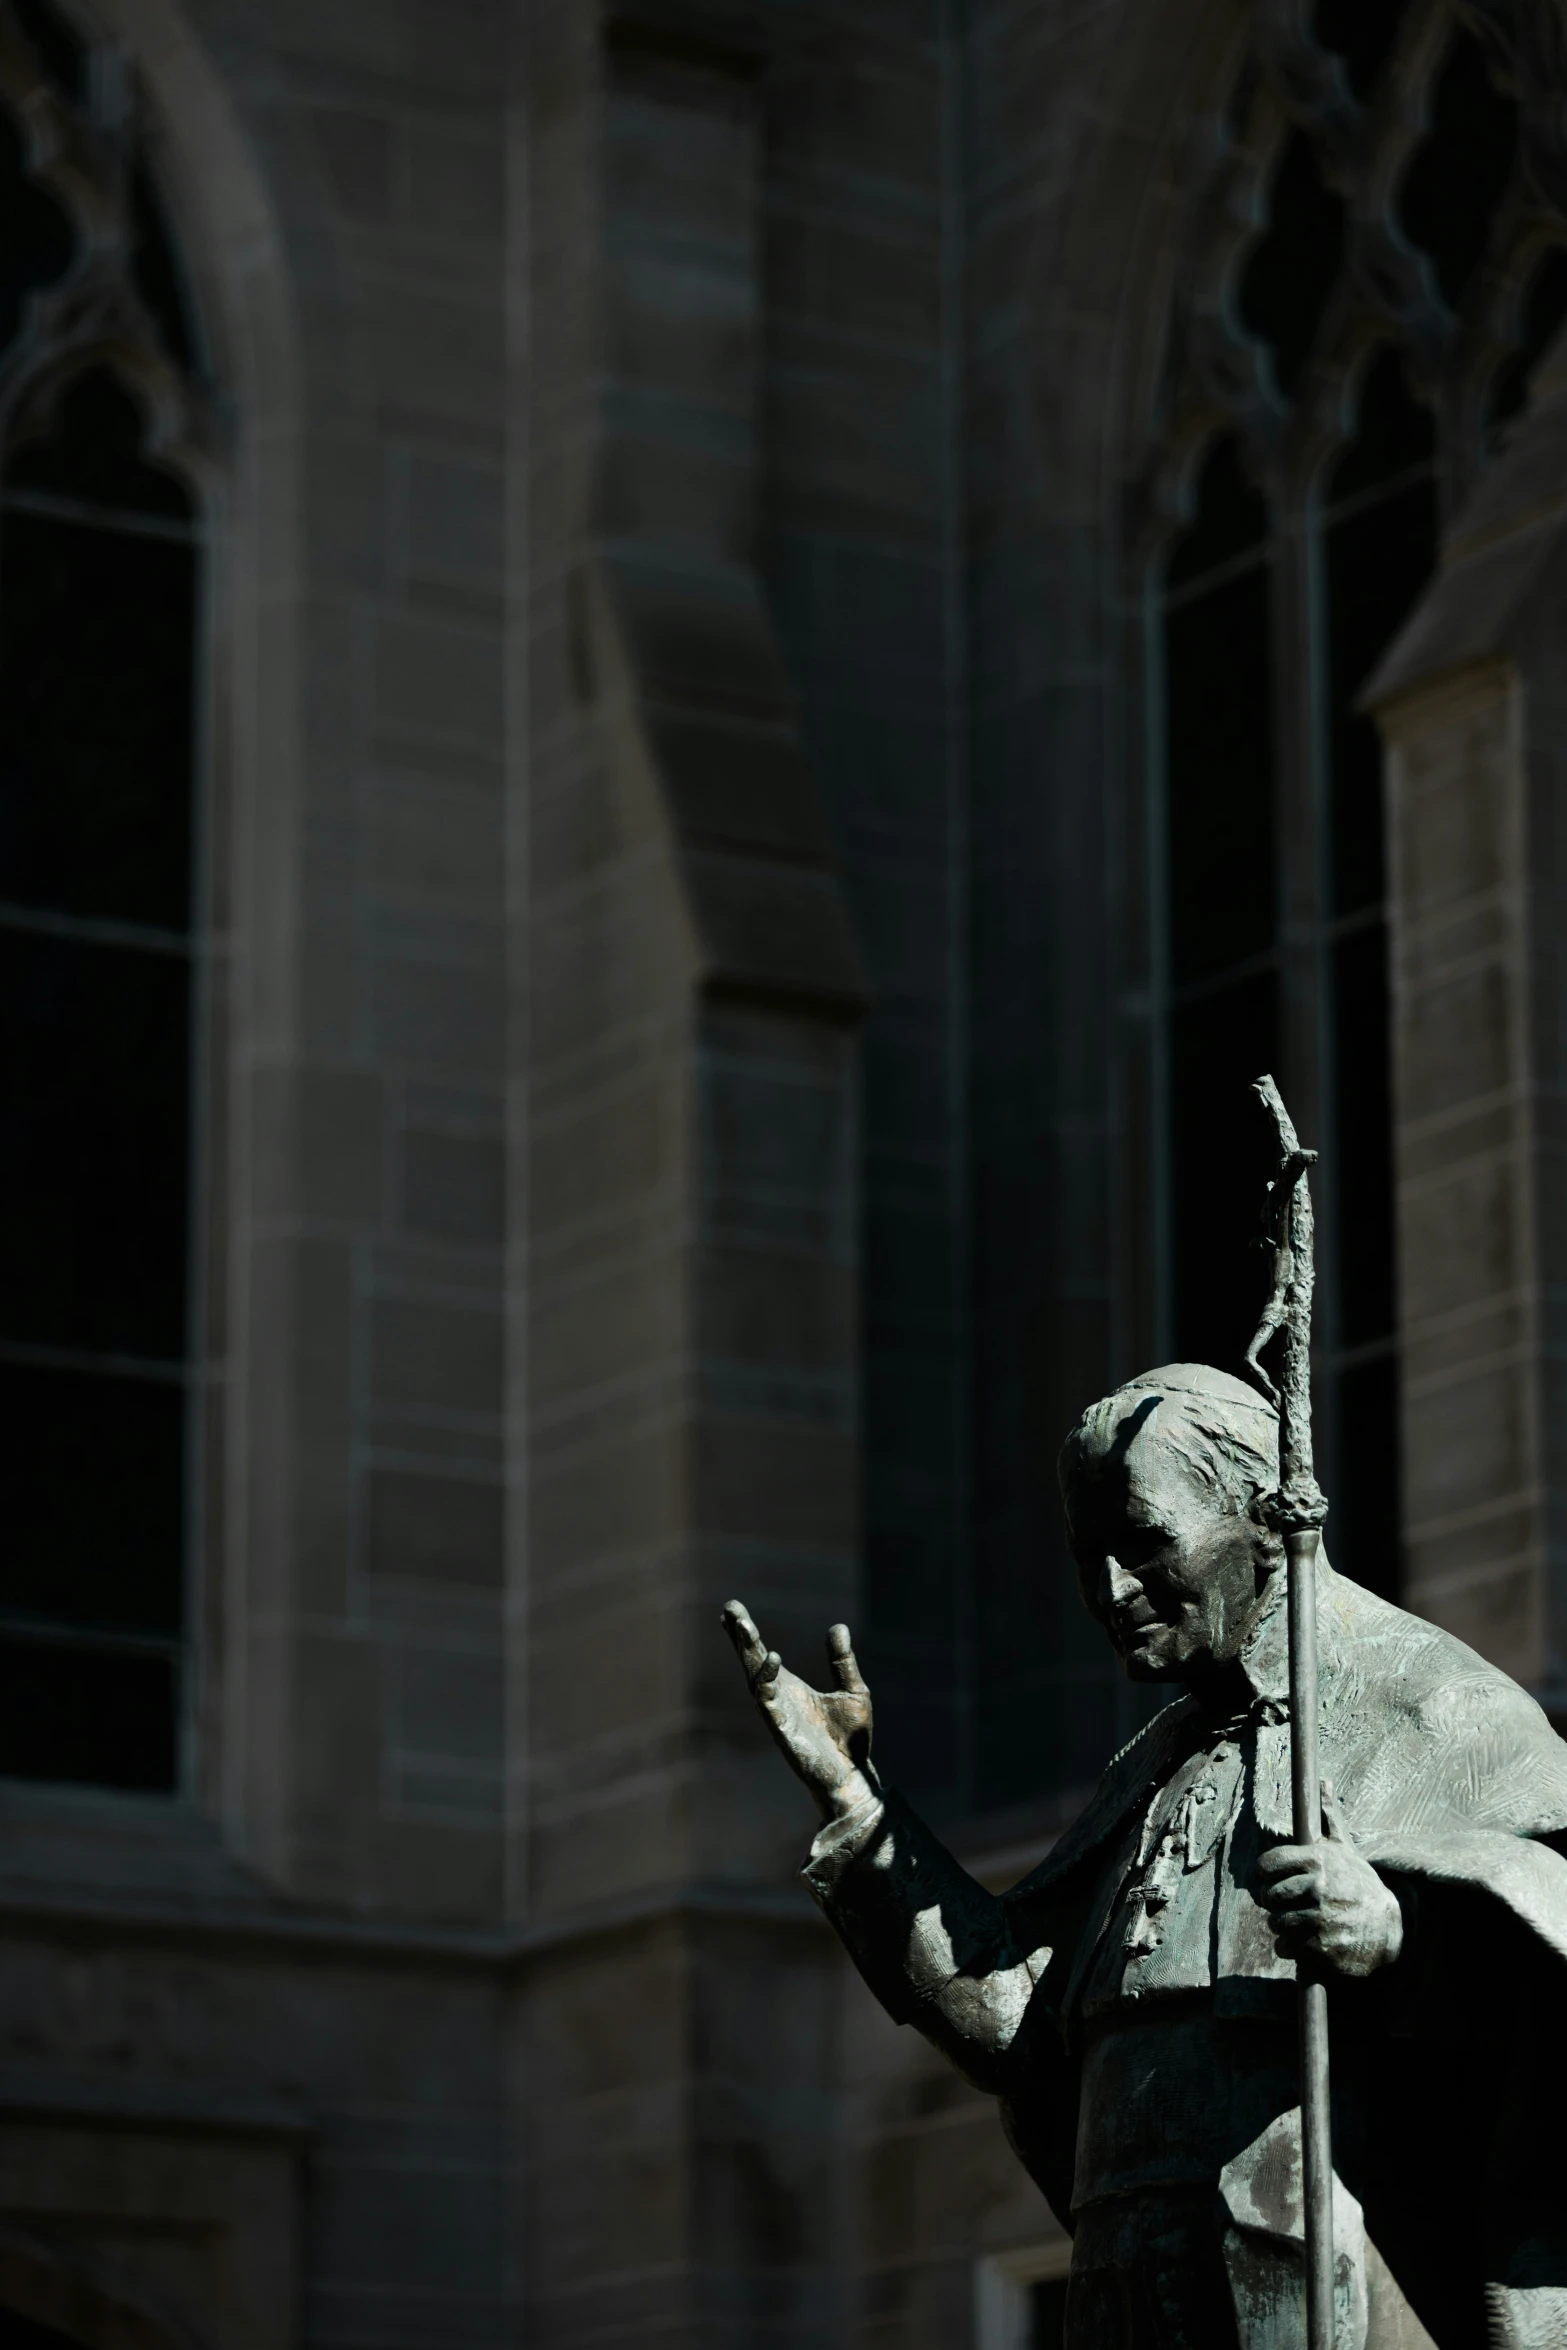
<point>1128,2006</point>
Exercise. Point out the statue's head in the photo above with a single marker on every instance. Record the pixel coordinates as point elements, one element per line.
<point>1165,1485</point>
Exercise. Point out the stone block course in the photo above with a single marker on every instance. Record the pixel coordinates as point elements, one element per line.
<point>1460,1235</point>
<point>337,1733</point>
<point>768,1307</point>
<point>614,1675</point>
<point>356,147</point>
<point>438,840</point>
<point>430,1015</point>
<point>451,521</point>
<point>858,120</point>
<point>611,1151</point>
<point>454,1185</point>
<point>435,1529</point>
<point>455,179</point>
<point>447,1704</point>
<point>628,1312</point>
<point>437,682</point>
<point>420,46</point>
<point>428,2231</point>
<point>595,1501</point>
<point>334,1120</point>
<point>874,282</point>
<point>436,1355</point>
<point>595,1849</point>
<point>346,511</point>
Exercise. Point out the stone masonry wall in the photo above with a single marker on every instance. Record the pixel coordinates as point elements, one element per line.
<point>678,1113</point>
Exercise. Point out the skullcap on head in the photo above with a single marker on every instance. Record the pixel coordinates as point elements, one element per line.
<point>1225,1432</point>
<point>1199,1379</point>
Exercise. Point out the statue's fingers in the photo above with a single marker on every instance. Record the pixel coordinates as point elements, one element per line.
<point>840,1655</point>
<point>1292,1893</point>
<point>762,1664</point>
<point>749,1645</point>
<point>1285,1860</point>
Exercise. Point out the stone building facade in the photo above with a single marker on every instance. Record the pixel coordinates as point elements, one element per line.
<point>750,635</point>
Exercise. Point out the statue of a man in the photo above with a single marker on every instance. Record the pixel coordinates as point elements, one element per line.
<point>1132,2002</point>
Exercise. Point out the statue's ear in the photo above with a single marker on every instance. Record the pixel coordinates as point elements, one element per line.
<point>1270,1545</point>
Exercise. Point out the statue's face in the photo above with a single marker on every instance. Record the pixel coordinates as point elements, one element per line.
<point>1173,1580</point>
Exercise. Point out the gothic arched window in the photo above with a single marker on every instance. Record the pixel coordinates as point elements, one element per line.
<point>99,924</point>
<point>1385,264</point>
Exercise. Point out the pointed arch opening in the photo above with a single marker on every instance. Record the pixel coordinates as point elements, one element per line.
<point>101,924</point>
<point>1385,267</point>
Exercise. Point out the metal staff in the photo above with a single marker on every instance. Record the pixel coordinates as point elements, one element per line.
<point>1299,1513</point>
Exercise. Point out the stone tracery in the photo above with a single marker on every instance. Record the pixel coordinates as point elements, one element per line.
<point>1452,91</point>
<point>116,298</point>
<point>1377,261</point>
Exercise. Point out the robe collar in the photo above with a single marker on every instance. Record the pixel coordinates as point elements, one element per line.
<point>1265,1656</point>
<point>1264,1660</point>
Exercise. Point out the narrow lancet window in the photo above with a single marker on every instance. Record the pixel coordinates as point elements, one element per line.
<point>1352,375</point>
<point>99,590</point>
<point>1217,653</point>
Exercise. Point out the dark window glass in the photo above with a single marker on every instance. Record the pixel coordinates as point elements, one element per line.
<point>1540,314</point>
<point>1380,546</point>
<point>95,787</point>
<point>1046,2314</point>
<point>1362,32</point>
<point>1290,275</point>
<point>103,1717</point>
<point>94,1058</point>
<point>1219,753</point>
<point>1231,520</point>
<point>1363,1536</point>
<point>1051,1712</point>
<point>1219,1043</point>
<point>1457,178</point>
<point>1394,433</point>
<point>1243,90</point>
<point>1219,781</point>
<point>97,614</point>
<point>1220,767</point>
<point>1379,558</point>
<point>1363,1170</point>
<point>60,49</point>
<point>22,2333</point>
<point>36,243</point>
<point>94,1498</point>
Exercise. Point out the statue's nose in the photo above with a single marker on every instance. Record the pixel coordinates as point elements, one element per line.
<point>1116,1586</point>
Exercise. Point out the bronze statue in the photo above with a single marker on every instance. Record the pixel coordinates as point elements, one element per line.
<point>1133,2002</point>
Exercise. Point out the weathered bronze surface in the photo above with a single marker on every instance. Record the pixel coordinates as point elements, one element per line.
<point>1132,2002</point>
